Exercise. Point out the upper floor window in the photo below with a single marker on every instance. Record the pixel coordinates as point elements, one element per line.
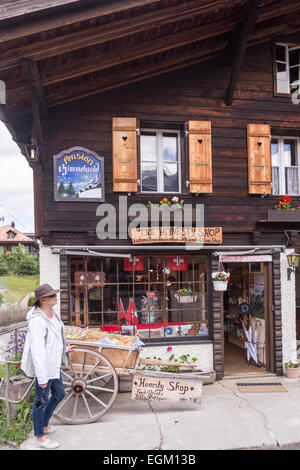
<point>11,234</point>
<point>285,165</point>
<point>160,161</point>
<point>287,67</point>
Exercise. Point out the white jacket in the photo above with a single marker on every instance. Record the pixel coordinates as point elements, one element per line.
<point>41,355</point>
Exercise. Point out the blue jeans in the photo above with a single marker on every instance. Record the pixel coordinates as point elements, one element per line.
<point>43,408</point>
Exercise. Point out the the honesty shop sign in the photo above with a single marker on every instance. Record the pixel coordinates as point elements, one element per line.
<point>79,175</point>
<point>163,389</point>
<point>204,235</point>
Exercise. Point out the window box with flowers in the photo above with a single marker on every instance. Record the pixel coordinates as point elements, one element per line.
<point>220,280</point>
<point>164,203</point>
<point>284,212</point>
<point>186,295</point>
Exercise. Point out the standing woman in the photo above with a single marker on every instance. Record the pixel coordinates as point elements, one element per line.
<point>44,353</point>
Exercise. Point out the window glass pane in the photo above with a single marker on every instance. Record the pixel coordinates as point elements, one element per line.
<point>289,153</point>
<point>291,180</point>
<point>165,296</point>
<point>280,53</point>
<point>282,78</point>
<point>170,153</point>
<point>294,77</point>
<point>149,177</point>
<point>294,57</point>
<point>171,177</point>
<point>275,180</point>
<point>275,152</point>
<point>148,147</point>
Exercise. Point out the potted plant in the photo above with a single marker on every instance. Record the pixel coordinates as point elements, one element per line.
<point>186,295</point>
<point>291,369</point>
<point>220,280</point>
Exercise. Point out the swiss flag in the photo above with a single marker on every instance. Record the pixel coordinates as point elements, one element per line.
<point>178,263</point>
<point>130,317</point>
<point>136,263</point>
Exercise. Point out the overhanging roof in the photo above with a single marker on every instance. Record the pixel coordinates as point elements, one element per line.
<point>80,48</point>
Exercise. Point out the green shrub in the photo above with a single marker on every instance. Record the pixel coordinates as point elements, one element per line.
<point>28,265</point>
<point>3,266</point>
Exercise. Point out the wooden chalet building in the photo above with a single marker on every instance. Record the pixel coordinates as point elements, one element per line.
<point>121,102</point>
<point>10,238</point>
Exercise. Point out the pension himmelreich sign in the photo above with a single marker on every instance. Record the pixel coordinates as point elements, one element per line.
<point>78,175</point>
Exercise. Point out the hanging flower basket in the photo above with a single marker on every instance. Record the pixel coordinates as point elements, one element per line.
<point>220,280</point>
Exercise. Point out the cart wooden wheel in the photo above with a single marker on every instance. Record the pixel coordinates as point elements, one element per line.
<point>91,386</point>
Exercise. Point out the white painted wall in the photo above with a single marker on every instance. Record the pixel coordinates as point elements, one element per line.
<point>50,270</point>
<point>288,308</point>
<point>203,353</point>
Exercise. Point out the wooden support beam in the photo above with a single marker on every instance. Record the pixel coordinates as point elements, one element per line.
<point>237,46</point>
<point>31,77</point>
<point>37,101</point>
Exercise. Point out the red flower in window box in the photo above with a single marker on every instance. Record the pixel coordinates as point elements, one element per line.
<point>284,204</point>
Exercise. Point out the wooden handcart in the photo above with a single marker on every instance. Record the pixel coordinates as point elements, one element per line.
<point>91,379</point>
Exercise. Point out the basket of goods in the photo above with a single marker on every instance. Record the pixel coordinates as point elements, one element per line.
<point>120,350</point>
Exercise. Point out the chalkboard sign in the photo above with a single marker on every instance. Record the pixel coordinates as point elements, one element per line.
<point>78,175</point>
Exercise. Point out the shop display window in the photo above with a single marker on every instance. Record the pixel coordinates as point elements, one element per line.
<point>154,296</point>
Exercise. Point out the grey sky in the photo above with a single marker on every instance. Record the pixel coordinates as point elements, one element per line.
<point>16,185</point>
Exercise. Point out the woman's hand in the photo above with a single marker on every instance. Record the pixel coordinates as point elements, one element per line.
<point>71,348</point>
<point>43,385</point>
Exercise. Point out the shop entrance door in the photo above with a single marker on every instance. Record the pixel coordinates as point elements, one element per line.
<point>247,317</point>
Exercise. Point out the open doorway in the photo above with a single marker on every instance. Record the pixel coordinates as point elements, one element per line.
<point>245,304</point>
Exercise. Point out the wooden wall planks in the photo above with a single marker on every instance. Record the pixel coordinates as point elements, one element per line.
<point>195,93</point>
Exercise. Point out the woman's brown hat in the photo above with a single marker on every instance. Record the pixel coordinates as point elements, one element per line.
<point>45,290</point>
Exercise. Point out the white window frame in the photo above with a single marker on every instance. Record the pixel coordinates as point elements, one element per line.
<point>282,167</point>
<point>287,62</point>
<point>160,161</point>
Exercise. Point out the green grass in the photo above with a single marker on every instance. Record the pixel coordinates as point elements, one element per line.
<point>21,285</point>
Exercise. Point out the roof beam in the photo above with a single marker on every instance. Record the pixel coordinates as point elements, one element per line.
<point>237,46</point>
<point>100,34</point>
<point>142,72</point>
<point>82,66</point>
<point>55,20</point>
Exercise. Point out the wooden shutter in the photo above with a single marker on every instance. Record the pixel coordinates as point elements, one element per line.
<point>259,159</point>
<point>124,143</point>
<point>200,157</point>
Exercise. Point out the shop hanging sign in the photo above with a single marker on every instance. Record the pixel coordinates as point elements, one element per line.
<point>203,235</point>
<point>95,279</point>
<point>246,259</point>
<point>135,264</point>
<point>78,175</point>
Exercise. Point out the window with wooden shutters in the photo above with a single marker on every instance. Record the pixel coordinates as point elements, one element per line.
<point>124,143</point>
<point>200,156</point>
<point>259,159</point>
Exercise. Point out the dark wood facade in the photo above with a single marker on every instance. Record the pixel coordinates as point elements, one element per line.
<point>199,92</point>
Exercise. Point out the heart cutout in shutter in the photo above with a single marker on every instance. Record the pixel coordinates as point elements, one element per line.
<point>200,141</point>
<point>124,138</point>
